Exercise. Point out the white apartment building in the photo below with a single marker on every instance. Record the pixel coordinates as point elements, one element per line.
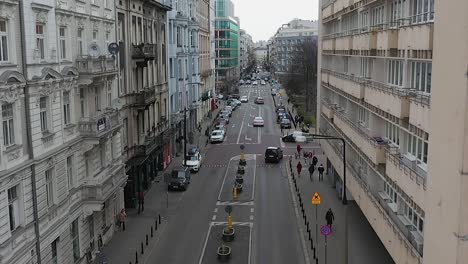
<point>393,84</point>
<point>62,175</point>
<point>143,91</point>
<point>184,68</point>
<point>245,48</point>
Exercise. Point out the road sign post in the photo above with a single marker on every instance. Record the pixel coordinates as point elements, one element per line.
<point>316,200</point>
<point>326,231</point>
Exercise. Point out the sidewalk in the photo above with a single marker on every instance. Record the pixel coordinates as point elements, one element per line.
<point>125,244</point>
<point>364,247</point>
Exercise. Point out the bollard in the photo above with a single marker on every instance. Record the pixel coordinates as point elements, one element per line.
<point>151,231</point>
<point>316,261</point>
<point>136,257</point>
<point>315,257</point>
<point>142,251</point>
<point>312,246</point>
<point>310,238</point>
<point>159,217</point>
<point>156,226</point>
<point>146,239</point>
<point>308,226</point>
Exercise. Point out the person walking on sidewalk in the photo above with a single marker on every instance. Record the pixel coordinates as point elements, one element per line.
<point>122,219</point>
<point>321,169</point>
<point>299,169</point>
<point>298,154</point>
<point>141,202</point>
<point>311,172</point>
<point>330,217</point>
<point>314,160</point>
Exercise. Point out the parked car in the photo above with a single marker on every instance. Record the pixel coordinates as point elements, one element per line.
<point>259,100</point>
<point>225,117</point>
<point>262,82</point>
<point>237,102</point>
<point>280,108</point>
<point>255,83</point>
<point>249,82</point>
<point>231,107</point>
<point>244,99</point>
<point>235,96</point>
<point>179,179</point>
<point>217,136</point>
<point>258,121</point>
<point>296,136</point>
<point>220,127</point>
<point>226,112</point>
<point>241,82</point>
<point>193,159</point>
<point>285,123</point>
<point>273,154</point>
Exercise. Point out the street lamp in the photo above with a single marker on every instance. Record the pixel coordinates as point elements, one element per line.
<point>344,199</point>
<point>185,121</point>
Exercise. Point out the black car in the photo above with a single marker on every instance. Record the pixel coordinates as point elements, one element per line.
<point>280,108</point>
<point>179,179</point>
<point>273,154</point>
<point>285,123</point>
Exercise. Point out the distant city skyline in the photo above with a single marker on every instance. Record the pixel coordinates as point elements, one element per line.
<point>261,18</point>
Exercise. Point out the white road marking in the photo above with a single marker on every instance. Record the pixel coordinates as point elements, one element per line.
<point>283,146</point>
<point>216,210</point>
<point>254,177</point>
<point>224,180</point>
<point>251,218</point>
<point>204,245</point>
<point>246,138</point>
<point>250,243</point>
<point>213,218</point>
<point>219,203</point>
<point>252,210</point>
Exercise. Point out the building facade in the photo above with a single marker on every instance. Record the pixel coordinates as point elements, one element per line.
<point>245,49</point>
<point>226,41</point>
<point>284,42</point>
<point>62,174</point>
<point>261,52</point>
<point>385,89</point>
<point>143,92</point>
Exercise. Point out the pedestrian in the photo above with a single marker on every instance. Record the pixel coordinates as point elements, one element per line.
<point>289,100</point>
<point>330,217</point>
<point>311,172</point>
<point>298,148</point>
<point>321,169</point>
<point>122,219</point>
<point>141,202</point>
<point>314,160</point>
<point>299,169</point>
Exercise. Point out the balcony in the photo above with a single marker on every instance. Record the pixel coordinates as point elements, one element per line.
<point>177,117</point>
<point>393,100</point>
<point>420,111</point>
<point>97,190</point>
<point>404,171</point>
<point>387,39</point>
<point>347,83</point>
<point>403,245</point>
<point>325,76</point>
<point>328,110</point>
<point>142,99</point>
<point>327,11</point>
<point>144,51</point>
<point>96,66</point>
<point>344,43</point>
<point>369,146</point>
<point>95,128</point>
<point>365,41</point>
<point>340,5</point>
<point>328,44</point>
<point>416,37</point>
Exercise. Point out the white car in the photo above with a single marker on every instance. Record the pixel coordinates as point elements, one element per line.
<point>258,121</point>
<point>217,136</point>
<point>263,82</point>
<point>255,83</point>
<point>244,99</point>
<point>193,160</point>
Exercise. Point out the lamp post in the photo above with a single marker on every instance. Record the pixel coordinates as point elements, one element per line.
<point>344,199</point>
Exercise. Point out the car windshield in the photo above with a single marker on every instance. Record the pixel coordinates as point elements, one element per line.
<point>192,158</point>
<point>178,174</point>
<point>258,118</point>
<point>216,133</point>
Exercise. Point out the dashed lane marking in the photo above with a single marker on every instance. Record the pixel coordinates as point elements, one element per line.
<point>219,203</point>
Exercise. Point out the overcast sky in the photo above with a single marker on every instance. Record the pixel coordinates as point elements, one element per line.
<point>261,18</point>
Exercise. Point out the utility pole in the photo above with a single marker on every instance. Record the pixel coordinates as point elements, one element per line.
<point>185,133</point>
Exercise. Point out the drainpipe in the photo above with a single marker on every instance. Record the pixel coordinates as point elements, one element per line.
<point>28,132</point>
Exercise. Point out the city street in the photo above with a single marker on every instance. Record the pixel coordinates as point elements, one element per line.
<point>269,227</point>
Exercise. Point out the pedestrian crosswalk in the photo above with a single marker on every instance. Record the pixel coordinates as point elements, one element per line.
<point>219,203</point>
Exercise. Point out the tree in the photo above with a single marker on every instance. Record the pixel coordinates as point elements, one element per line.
<point>304,65</point>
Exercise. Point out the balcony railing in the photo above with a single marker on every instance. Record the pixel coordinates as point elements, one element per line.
<point>96,127</point>
<point>144,51</point>
<point>88,65</point>
<point>393,155</point>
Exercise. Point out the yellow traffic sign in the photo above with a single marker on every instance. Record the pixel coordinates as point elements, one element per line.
<point>316,199</point>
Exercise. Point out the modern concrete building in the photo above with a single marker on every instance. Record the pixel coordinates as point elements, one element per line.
<point>284,43</point>
<point>144,93</point>
<point>62,173</point>
<point>393,84</point>
<point>226,41</point>
<point>184,68</point>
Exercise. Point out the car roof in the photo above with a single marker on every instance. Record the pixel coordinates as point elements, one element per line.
<point>272,148</point>
<point>217,131</point>
<point>258,117</point>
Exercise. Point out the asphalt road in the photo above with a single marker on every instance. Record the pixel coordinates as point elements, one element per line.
<point>268,219</point>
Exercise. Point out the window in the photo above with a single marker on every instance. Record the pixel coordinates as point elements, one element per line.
<point>70,172</point>
<point>43,113</point>
<point>53,247</point>
<point>397,12</point>
<point>63,43</point>
<point>422,11</point>
<point>79,35</point>
<point>107,41</point>
<point>13,208</point>
<point>124,132</point>
<point>171,68</point>
<point>109,95</point>
<point>66,108</point>
<point>91,231</point>
<point>95,34</point>
<point>363,117</point>
<point>178,36</point>
<point>75,236</point>
<point>377,17</point>
<point>366,66</point>
<point>395,72</point>
<point>392,132</point>
<point>417,143</point>
<point>8,125</point>
<point>40,40</point>
<point>97,99</point>
<point>421,75</point>
<point>3,41</point>
<point>49,187</point>
<point>364,21</point>
<point>192,38</point>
